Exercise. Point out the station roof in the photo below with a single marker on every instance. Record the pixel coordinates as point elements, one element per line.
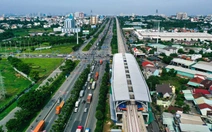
<point>203,65</point>
<point>182,61</point>
<point>120,80</point>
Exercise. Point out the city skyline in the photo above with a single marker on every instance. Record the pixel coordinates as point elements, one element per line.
<point>109,7</point>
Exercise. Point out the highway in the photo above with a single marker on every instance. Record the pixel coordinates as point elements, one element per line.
<point>48,112</point>
<point>88,120</point>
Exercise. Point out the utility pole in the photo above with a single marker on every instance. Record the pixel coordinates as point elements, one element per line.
<point>77,35</point>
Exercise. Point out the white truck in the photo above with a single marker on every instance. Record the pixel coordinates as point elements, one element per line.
<point>81,93</point>
<point>93,85</point>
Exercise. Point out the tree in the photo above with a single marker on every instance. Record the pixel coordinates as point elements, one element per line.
<point>35,75</point>
<point>191,51</point>
<point>152,81</point>
<point>151,51</point>
<point>180,51</point>
<point>186,108</point>
<point>99,115</point>
<point>164,72</point>
<point>13,125</point>
<point>1,129</point>
<point>172,73</point>
<point>201,52</point>
<point>174,55</point>
<point>167,59</point>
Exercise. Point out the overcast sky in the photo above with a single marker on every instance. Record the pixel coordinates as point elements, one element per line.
<point>141,7</point>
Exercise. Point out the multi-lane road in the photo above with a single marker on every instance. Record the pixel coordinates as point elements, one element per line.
<point>48,112</point>
<point>87,119</point>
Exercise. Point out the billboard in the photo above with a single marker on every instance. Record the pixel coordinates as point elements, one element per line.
<point>85,32</point>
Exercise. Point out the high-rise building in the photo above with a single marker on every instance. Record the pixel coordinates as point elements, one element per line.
<point>69,25</point>
<point>181,15</point>
<point>93,20</point>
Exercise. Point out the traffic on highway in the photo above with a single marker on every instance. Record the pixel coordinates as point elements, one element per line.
<point>83,115</point>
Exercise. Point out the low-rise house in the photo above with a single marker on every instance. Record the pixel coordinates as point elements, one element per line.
<point>164,93</point>
<point>164,90</point>
<point>195,82</point>
<point>173,109</point>
<point>189,123</point>
<point>168,120</point>
<point>207,84</point>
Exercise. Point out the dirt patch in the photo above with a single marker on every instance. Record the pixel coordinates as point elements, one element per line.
<point>18,75</point>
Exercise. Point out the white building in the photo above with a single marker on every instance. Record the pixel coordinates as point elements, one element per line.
<point>69,25</point>
<point>169,36</point>
<point>167,50</point>
<point>181,15</point>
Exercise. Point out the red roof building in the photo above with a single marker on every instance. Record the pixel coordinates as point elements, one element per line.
<point>147,63</point>
<point>196,80</point>
<point>200,91</point>
<point>204,105</point>
<point>174,109</point>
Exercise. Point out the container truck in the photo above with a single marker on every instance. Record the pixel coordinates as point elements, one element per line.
<point>96,76</point>
<point>100,62</point>
<point>40,126</point>
<point>81,93</point>
<point>59,107</point>
<point>93,85</point>
<point>79,129</point>
<point>89,98</point>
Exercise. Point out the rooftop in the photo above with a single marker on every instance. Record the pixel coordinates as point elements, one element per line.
<point>203,66</point>
<point>186,70</point>
<point>127,75</point>
<point>190,119</point>
<point>193,128</point>
<point>182,61</point>
<point>163,88</point>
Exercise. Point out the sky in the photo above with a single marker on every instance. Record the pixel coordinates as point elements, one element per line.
<point>107,7</point>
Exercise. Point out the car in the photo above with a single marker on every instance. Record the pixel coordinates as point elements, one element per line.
<point>87,130</point>
<point>75,110</point>
<point>89,87</point>
<point>85,110</point>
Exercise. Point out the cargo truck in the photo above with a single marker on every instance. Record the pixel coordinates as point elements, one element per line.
<point>79,129</point>
<point>96,76</point>
<point>40,126</point>
<point>93,85</point>
<point>59,107</point>
<point>89,98</point>
<point>100,62</point>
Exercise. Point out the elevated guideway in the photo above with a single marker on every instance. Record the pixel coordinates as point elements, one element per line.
<point>132,119</point>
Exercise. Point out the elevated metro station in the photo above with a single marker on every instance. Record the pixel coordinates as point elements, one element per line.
<point>129,92</point>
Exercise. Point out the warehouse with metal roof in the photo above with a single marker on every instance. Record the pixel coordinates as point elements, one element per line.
<point>203,66</point>
<point>127,85</point>
<point>182,62</point>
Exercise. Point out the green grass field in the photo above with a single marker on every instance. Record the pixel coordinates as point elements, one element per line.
<point>44,65</point>
<point>59,49</point>
<point>14,83</point>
